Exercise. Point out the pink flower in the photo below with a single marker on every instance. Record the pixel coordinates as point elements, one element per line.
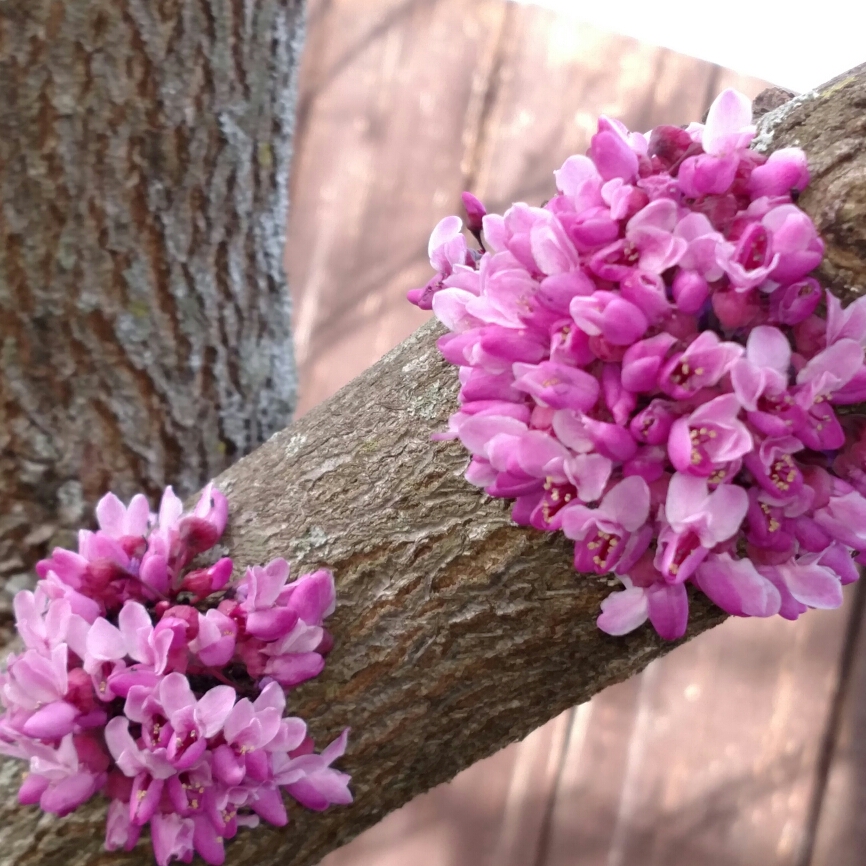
<point>59,781</point>
<point>312,781</point>
<point>215,642</point>
<point>174,720</point>
<point>643,362</point>
<point>764,367</point>
<point>729,126</point>
<point>601,533</point>
<point>810,583</point>
<point>128,525</point>
<point>120,832</point>
<point>651,233</point>
<point>557,385</point>
<point>795,242</point>
<point>623,612</point>
<point>697,521</point>
<point>775,469</point>
<point>701,365</point>
<point>258,592</point>
<point>702,241</point>
<point>830,370</point>
<point>611,151</point>
<point>795,303</point>
<point>653,325</point>
<point>784,170</point>
<point>737,587</point>
<point>711,437</point>
<point>844,517</point>
<point>475,211</point>
<point>196,754</point>
<point>249,729</point>
<point>135,637</point>
<point>447,249</point>
<point>172,838</point>
<point>845,324</point>
<point>749,262</point>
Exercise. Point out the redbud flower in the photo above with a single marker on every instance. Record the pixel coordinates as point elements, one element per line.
<point>645,364</point>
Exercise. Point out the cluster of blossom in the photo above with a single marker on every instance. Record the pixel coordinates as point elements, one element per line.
<point>177,715</point>
<point>645,365</point>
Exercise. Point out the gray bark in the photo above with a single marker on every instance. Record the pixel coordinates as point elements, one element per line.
<point>144,313</point>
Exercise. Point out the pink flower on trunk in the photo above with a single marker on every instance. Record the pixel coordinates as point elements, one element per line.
<point>737,587</point>
<point>601,534</point>
<point>764,367</point>
<point>701,365</point>
<point>697,521</point>
<point>710,438</point>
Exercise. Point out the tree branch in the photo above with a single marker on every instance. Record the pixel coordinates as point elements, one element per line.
<point>457,632</point>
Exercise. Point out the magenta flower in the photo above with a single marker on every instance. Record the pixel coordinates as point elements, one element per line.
<point>58,780</point>
<point>653,328</point>
<point>601,533</point>
<point>701,365</point>
<point>795,242</point>
<point>764,367</point>
<point>697,521</point>
<point>312,781</point>
<point>110,641</point>
<point>737,587</point>
<point>557,385</point>
<point>711,437</point>
<point>784,170</point>
<point>623,612</point>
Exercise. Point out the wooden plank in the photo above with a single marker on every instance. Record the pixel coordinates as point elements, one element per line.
<point>558,76</point>
<point>455,823</point>
<point>489,815</point>
<point>590,783</point>
<point>840,832</point>
<point>721,758</point>
<point>389,89</point>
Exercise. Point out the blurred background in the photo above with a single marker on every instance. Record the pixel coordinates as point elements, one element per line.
<point>742,747</point>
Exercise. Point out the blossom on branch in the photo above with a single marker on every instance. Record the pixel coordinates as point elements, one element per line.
<point>176,714</point>
<point>645,366</point>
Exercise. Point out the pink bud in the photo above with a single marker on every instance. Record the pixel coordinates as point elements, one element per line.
<point>690,291</point>
<point>475,212</point>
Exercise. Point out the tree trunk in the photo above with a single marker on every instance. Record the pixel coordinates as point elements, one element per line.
<point>144,314</point>
<point>457,632</point>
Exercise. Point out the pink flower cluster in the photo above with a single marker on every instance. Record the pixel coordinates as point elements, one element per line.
<point>177,715</point>
<point>644,366</point>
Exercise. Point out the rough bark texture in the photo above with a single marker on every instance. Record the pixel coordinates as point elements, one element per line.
<point>457,632</point>
<point>144,315</point>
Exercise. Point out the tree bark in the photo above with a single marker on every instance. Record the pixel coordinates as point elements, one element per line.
<point>144,314</point>
<point>457,632</point>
